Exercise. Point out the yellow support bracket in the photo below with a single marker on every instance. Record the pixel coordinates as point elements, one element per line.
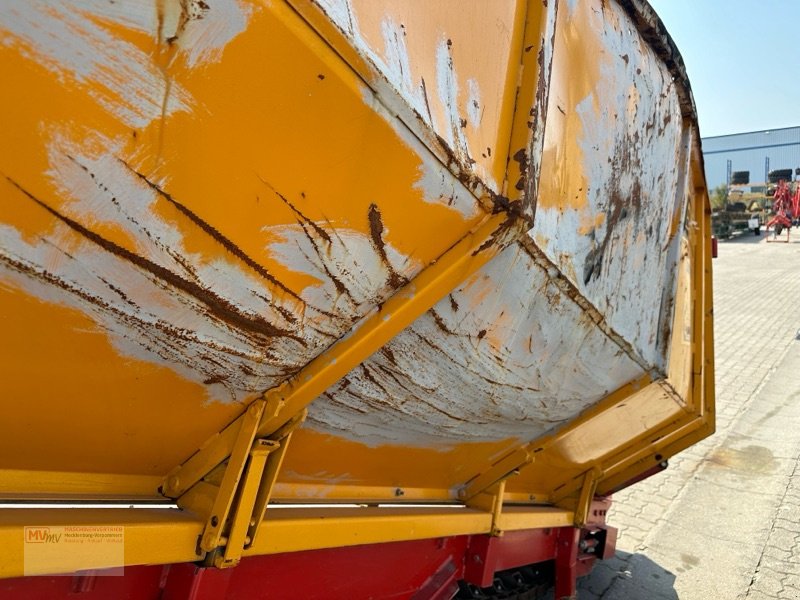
<point>217,449</point>
<point>498,472</point>
<point>243,517</point>
<point>583,502</point>
<point>270,475</point>
<point>491,501</point>
<point>588,490</point>
<point>233,474</point>
<point>239,502</point>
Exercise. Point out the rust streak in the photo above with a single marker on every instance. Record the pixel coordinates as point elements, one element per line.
<point>218,306</point>
<point>488,380</point>
<point>387,352</point>
<point>319,230</point>
<point>178,337</point>
<point>306,223</point>
<point>369,377</point>
<point>376,232</point>
<point>521,156</point>
<point>515,218</point>
<point>425,97</point>
<point>159,21</point>
<point>226,243</point>
<point>396,378</point>
<point>440,323</point>
<point>453,303</point>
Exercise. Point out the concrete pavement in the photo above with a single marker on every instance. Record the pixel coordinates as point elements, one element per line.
<point>723,522</point>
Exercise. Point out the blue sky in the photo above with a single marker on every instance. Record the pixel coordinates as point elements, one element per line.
<point>743,59</point>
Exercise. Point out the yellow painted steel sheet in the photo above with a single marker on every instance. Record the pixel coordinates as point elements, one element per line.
<point>462,235</point>
<point>176,244</point>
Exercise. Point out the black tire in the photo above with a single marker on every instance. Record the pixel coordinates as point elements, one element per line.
<point>778,229</point>
<point>757,231</point>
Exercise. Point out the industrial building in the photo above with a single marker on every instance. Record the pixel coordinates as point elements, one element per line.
<point>758,152</point>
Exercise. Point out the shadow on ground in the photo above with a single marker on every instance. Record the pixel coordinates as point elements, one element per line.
<point>627,577</point>
<point>746,237</point>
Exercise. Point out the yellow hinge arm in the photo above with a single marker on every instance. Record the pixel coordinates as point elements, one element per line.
<point>216,450</point>
<point>230,482</point>
<point>240,501</point>
<point>271,476</point>
<point>243,516</point>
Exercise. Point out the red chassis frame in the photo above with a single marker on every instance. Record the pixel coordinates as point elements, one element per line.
<point>414,570</point>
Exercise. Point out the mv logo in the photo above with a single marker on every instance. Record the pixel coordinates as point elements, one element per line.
<point>40,535</point>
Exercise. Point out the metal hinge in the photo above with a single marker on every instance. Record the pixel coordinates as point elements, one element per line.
<point>235,505</point>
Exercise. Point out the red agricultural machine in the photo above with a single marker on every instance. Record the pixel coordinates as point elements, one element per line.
<point>786,208</point>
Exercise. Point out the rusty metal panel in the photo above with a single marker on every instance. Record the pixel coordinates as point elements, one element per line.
<point>190,234</point>
<point>612,168</point>
<point>525,345</point>
<point>454,63</point>
<point>505,358</point>
<point>508,354</point>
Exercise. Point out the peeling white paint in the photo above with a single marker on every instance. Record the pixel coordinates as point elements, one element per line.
<point>207,320</point>
<point>117,74</point>
<point>307,485</point>
<point>436,103</point>
<point>75,40</point>
<point>349,258</point>
<point>506,355</point>
<point>474,103</point>
<point>397,61</point>
<point>200,30</point>
<point>395,65</point>
<point>437,184</point>
<point>624,260</point>
<point>447,89</point>
<point>139,315</point>
<point>339,12</point>
<point>204,39</point>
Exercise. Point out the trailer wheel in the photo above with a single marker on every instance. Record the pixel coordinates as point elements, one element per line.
<point>757,231</point>
<point>778,229</point>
